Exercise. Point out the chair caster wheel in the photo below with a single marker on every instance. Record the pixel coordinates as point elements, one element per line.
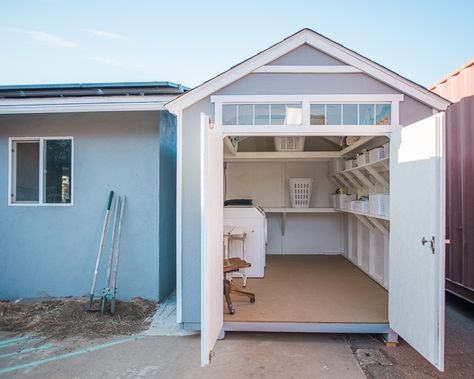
<point>252,299</point>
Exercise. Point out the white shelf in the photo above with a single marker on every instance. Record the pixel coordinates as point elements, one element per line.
<point>299,210</point>
<point>381,163</point>
<point>371,215</point>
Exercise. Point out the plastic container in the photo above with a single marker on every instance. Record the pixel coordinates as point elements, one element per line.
<point>386,150</point>
<point>300,192</point>
<point>360,206</point>
<point>376,154</point>
<point>289,143</point>
<point>379,204</point>
<point>342,200</point>
<point>350,163</point>
<point>336,165</point>
<point>363,158</point>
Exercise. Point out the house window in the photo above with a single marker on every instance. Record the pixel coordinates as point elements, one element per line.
<point>350,114</point>
<point>262,114</point>
<point>41,171</point>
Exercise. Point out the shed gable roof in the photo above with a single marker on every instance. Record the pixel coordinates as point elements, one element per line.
<point>321,43</point>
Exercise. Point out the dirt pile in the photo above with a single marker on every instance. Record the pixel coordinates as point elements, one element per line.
<point>62,318</point>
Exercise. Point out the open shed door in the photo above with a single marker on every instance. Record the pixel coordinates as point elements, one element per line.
<point>212,214</point>
<point>416,289</point>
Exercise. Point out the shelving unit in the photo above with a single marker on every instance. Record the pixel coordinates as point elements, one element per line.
<point>284,211</point>
<point>299,210</point>
<point>370,215</point>
<point>367,176</point>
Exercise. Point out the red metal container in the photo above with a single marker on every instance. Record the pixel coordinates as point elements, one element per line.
<point>458,87</point>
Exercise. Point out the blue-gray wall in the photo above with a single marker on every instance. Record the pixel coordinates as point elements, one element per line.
<point>51,251</point>
<point>167,219</point>
<point>411,110</point>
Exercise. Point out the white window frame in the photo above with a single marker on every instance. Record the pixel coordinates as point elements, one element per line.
<point>11,173</point>
<point>306,100</point>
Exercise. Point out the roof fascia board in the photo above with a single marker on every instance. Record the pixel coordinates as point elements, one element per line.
<point>319,42</point>
<point>83,104</point>
<point>375,70</point>
<point>236,73</point>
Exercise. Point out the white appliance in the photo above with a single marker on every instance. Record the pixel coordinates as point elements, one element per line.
<point>253,220</point>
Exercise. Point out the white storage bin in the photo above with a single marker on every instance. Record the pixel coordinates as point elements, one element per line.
<point>300,192</point>
<point>289,143</point>
<point>363,158</point>
<point>336,165</point>
<point>386,150</point>
<point>379,204</point>
<point>376,154</point>
<point>360,206</point>
<point>342,200</point>
<point>350,163</point>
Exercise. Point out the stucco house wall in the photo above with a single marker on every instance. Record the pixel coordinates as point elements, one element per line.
<point>51,250</point>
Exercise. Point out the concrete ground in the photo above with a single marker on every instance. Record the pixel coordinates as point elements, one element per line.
<point>254,355</point>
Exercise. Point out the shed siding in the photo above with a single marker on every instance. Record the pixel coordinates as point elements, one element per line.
<point>256,84</point>
<point>51,251</point>
<point>306,56</point>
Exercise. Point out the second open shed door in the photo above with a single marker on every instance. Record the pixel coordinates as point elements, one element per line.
<point>212,214</point>
<point>416,290</point>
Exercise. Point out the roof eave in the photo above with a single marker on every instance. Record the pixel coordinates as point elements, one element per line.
<point>318,41</point>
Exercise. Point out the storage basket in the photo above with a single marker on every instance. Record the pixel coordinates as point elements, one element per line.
<point>386,150</point>
<point>300,192</point>
<point>336,165</point>
<point>360,206</point>
<point>342,200</point>
<point>289,143</point>
<point>362,158</point>
<point>350,163</point>
<point>376,154</point>
<point>379,204</point>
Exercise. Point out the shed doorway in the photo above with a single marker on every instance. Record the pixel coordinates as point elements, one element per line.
<point>416,159</point>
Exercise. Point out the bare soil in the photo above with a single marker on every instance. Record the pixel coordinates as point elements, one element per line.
<point>67,317</point>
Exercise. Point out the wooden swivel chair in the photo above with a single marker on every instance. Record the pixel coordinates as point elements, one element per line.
<point>231,265</point>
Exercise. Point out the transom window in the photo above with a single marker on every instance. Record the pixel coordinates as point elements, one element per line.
<point>350,114</point>
<point>262,114</point>
<point>41,170</point>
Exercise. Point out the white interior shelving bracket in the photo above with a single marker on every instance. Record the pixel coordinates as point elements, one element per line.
<point>352,180</point>
<point>340,178</point>
<point>364,180</point>
<point>379,178</point>
<point>380,227</point>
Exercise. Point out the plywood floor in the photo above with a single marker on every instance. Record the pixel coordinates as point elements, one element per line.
<point>311,288</point>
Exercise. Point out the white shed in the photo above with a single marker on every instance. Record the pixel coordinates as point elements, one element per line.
<point>339,264</point>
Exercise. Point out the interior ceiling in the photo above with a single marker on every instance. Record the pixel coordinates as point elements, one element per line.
<point>312,143</point>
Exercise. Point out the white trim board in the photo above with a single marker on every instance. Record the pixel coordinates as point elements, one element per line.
<point>84,104</point>
<point>309,37</point>
<point>305,327</point>
<point>281,69</point>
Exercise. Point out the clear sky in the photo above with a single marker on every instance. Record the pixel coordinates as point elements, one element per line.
<point>188,42</point>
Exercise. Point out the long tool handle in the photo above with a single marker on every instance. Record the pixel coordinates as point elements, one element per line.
<point>101,247</point>
<point>106,291</point>
<point>113,283</point>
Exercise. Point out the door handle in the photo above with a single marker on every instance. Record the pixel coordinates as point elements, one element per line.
<point>424,241</point>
